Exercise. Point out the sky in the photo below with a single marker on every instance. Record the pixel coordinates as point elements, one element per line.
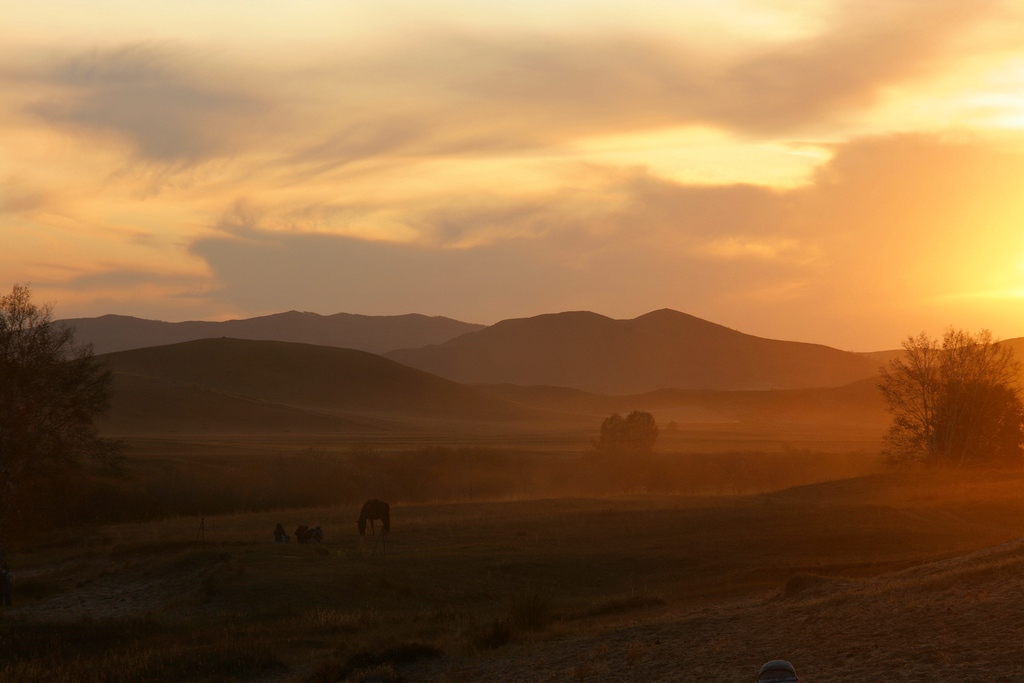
<point>844,173</point>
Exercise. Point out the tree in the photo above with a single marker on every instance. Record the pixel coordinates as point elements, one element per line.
<point>51,391</point>
<point>954,403</point>
<point>635,433</point>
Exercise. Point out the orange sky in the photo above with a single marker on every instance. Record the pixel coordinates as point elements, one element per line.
<point>847,173</point>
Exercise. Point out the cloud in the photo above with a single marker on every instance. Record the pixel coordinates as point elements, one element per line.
<point>740,249</point>
<point>887,226</point>
<point>846,69</point>
<point>18,197</point>
<point>148,98</point>
<point>513,257</point>
<point>478,154</point>
<point>450,93</point>
<point>123,279</point>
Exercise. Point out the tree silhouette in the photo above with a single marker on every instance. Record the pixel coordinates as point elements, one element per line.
<point>954,403</point>
<point>635,433</point>
<point>51,390</point>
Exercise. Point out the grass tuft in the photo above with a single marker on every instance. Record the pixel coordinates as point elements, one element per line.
<point>382,673</point>
<point>630,603</point>
<point>531,610</point>
<point>366,662</point>
<point>498,635</point>
<point>337,621</point>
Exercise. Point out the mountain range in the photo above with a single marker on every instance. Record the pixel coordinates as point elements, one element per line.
<point>662,349</point>
<point>557,371</point>
<point>235,386</point>
<point>376,334</point>
<point>582,350</point>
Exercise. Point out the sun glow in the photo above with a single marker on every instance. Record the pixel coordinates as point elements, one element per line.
<point>679,154</point>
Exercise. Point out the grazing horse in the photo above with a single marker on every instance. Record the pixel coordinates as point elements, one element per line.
<point>374,509</point>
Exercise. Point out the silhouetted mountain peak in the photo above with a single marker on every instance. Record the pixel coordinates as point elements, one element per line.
<point>660,349</point>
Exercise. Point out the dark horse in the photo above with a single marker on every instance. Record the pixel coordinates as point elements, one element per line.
<point>374,509</point>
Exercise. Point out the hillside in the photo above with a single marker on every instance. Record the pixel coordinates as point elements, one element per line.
<point>145,405</point>
<point>376,334</point>
<point>252,386</point>
<point>662,349</point>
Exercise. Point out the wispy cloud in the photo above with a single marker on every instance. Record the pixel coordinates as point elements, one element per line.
<point>145,96</point>
<point>18,197</point>
<point>123,279</point>
<point>738,249</point>
<point>484,170</point>
<point>455,93</point>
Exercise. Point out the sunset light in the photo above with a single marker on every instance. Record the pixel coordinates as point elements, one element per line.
<point>495,341</point>
<point>870,153</point>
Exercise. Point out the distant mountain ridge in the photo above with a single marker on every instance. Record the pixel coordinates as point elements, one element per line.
<point>662,349</point>
<point>376,334</point>
<point>885,357</point>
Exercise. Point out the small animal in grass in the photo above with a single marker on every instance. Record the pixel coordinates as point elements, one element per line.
<point>305,534</point>
<point>374,509</point>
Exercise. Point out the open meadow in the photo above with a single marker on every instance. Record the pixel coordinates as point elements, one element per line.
<point>901,576</point>
<point>762,525</point>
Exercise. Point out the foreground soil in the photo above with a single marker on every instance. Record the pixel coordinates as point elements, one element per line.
<point>901,577</point>
<point>956,620</point>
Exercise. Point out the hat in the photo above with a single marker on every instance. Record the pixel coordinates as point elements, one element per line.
<point>776,671</point>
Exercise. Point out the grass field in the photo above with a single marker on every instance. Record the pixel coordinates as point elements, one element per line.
<point>885,576</point>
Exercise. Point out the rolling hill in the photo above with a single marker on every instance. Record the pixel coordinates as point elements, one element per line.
<point>376,334</point>
<point>234,385</point>
<point>662,349</point>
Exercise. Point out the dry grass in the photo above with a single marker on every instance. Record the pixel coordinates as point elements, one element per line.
<point>635,651</point>
<point>165,478</point>
<point>531,609</point>
<point>848,580</point>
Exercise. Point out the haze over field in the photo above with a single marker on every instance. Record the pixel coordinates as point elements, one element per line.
<point>244,387</point>
<point>838,172</point>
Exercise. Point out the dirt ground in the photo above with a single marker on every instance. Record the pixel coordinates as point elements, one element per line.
<point>879,578</point>
<point>960,619</point>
